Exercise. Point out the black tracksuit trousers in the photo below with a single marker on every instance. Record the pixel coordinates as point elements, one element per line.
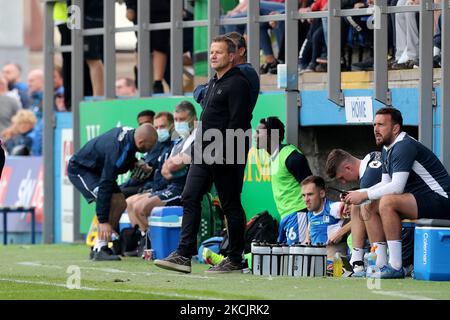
<point>228,180</point>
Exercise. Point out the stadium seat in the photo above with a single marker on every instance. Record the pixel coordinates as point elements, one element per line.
<point>11,209</point>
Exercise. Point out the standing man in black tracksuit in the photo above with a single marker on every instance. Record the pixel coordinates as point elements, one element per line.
<point>94,169</point>
<point>227,108</point>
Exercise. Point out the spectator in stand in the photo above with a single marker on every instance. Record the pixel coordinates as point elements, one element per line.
<point>360,31</point>
<point>125,87</point>
<point>36,135</point>
<point>303,28</point>
<point>36,91</point>
<point>58,85</point>
<point>17,138</point>
<point>93,18</point>
<point>160,39</point>
<point>8,106</point>
<point>407,38</point>
<point>12,73</point>
<point>437,44</point>
<point>61,18</point>
<point>265,8</point>
<point>315,41</point>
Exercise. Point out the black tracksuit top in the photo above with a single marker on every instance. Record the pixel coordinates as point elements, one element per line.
<point>227,102</point>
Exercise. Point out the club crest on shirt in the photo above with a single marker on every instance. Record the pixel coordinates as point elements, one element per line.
<point>375,164</point>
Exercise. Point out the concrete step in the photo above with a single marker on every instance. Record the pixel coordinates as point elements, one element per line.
<point>350,80</point>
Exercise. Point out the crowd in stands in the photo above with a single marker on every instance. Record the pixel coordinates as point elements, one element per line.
<point>21,108</point>
<point>357,33</point>
<point>357,36</point>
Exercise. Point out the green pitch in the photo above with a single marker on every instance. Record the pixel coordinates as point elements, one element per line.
<point>46,271</point>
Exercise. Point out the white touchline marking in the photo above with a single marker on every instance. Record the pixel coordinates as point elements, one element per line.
<point>37,264</point>
<point>401,295</point>
<point>111,270</point>
<point>171,295</point>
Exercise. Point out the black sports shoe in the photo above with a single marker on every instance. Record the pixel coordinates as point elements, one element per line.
<point>91,254</point>
<point>321,67</point>
<point>226,266</point>
<point>310,68</point>
<point>158,87</point>
<point>105,254</point>
<point>437,61</point>
<point>269,67</point>
<point>365,65</point>
<point>116,247</point>
<point>273,67</point>
<point>402,66</point>
<point>144,243</point>
<point>175,262</point>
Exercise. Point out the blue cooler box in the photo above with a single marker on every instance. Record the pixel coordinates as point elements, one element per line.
<point>124,221</point>
<point>432,250</point>
<point>165,227</point>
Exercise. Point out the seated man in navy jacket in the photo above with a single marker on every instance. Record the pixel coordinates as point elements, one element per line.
<point>94,169</point>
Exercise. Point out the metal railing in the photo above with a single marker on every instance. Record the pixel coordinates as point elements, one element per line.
<point>291,18</point>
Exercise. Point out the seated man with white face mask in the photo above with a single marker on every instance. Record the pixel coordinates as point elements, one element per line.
<point>164,125</point>
<point>141,206</point>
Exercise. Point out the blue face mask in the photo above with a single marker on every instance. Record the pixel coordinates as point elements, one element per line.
<point>163,135</point>
<point>182,127</point>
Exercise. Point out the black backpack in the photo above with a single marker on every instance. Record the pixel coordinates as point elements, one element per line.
<point>262,228</point>
<point>129,240</point>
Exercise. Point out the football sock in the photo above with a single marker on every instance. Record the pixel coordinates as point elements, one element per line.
<point>99,244</point>
<point>395,254</point>
<point>357,255</point>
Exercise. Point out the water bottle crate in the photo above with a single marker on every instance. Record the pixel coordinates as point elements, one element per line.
<point>283,260</point>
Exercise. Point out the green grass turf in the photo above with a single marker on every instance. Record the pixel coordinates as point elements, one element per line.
<point>40,272</point>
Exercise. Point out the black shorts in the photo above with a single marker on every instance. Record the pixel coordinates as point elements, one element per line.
<point>160,41</point>
<point>93,44</point>
<point>87,183</point>
<point>171,196</point>
<point>432,206</point>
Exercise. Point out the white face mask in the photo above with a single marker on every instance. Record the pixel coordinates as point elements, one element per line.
<point>182,127</point>
<point>163,135</point>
